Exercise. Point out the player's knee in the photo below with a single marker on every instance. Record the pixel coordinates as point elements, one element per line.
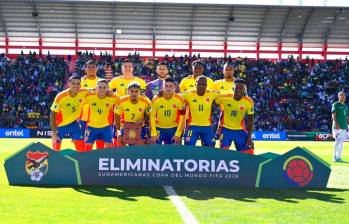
<point>248,151</point>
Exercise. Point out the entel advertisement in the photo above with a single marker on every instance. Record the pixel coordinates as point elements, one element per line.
<point>14,133</point>
<point>272,136</point>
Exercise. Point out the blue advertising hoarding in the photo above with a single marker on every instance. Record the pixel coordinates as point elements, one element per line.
<point>14,133</point>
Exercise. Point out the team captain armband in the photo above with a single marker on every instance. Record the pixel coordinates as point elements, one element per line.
<point>182,111</point>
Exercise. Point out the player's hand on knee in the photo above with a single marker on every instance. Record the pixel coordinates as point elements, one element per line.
<point>119,139</point>
<point>250,143</point>
<point>55,139</point>
<point>176,140</point>
<point>154,139</point>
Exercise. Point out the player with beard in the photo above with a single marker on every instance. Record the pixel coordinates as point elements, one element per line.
<point>155,86</point>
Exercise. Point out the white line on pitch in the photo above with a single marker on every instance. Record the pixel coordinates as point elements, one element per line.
<point>187,216</point>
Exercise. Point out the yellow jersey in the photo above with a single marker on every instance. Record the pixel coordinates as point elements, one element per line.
<point>189,84</point>
<point>167,114</point>
<point>199,107</point>
<point>224,87</point>
<point>100,110</point>
<point>120,84</point>
<point>68,108</point>
<point>132,112</point>
<point>234,112</point>
<point>87,84</point>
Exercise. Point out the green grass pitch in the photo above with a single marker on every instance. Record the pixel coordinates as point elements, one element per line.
<point>151,205</point>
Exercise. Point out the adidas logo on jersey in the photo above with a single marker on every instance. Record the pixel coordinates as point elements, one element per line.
<point>94,104</point>
<point>68,105</point>
<point>122,84</point>
<point>127,109</point>
<point>191,86</point>
<point>229,105</point>
<point>161,106</point>
<point>195,101</point>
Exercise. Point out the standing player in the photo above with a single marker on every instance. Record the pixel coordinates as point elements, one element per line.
<point>189,83</point>
<point>89,81</point>
<point>65,112</point>
<point>235,108</point>
<point>340,118</point>
<point>120,84</point>
<point>155,86</point>
<point>167,115</point>
<point>226,85</point>
<point>199,117</point>
<point>100,116</point>
<point>132,111</point>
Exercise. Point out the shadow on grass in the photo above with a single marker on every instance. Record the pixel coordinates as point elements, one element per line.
<point>246,195</point>
<point>332,195</point>
<point>252,195</point>
<point>124,193</point>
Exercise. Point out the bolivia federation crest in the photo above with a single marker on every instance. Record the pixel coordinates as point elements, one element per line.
<point>36,165</point>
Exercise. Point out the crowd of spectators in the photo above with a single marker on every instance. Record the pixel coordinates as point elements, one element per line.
<point>289,94</point>
<point>28,86</point>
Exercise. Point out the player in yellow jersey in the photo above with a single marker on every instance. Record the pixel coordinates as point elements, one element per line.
<point>167,115</point>
<point>100,116</point>
<point>189,83</point>
<point>132,111</point>
<point>89,81</point>
<point>120,84</point>
<point>199,117</point>
<point>65,112</point>
<point>237,108</point>
<point>226,85</point>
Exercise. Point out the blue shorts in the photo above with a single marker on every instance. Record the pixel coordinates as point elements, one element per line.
<point>166,135</point>
<point>83,125</point>
<point>93,134</point>
<point>204,132</point>
<point>239,137</point>
<point>72,129</point>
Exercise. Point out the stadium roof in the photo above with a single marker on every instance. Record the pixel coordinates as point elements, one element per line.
<point>181,21</point>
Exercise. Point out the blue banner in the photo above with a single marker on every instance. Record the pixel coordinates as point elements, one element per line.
<point>14,133</point>
<point>268,135</point>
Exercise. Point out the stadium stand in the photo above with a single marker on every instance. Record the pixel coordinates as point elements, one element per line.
<point>289,94</point>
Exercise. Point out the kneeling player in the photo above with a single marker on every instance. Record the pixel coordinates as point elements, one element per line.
<point>199,120</point>
<point>167,115</point>
<point>65,112</point>
<point>132,112</point>
<point>100,117</point>
<point>236,107</point>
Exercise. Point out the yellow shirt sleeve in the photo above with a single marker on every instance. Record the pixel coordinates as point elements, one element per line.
<point>113,84</point>
<point>182,85</point>
<point>153,112</point>
<point>142,83</point>
<point>210,84</point>
<point>250,109</point>
<point>55,107</point>
<point>181,122</point>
